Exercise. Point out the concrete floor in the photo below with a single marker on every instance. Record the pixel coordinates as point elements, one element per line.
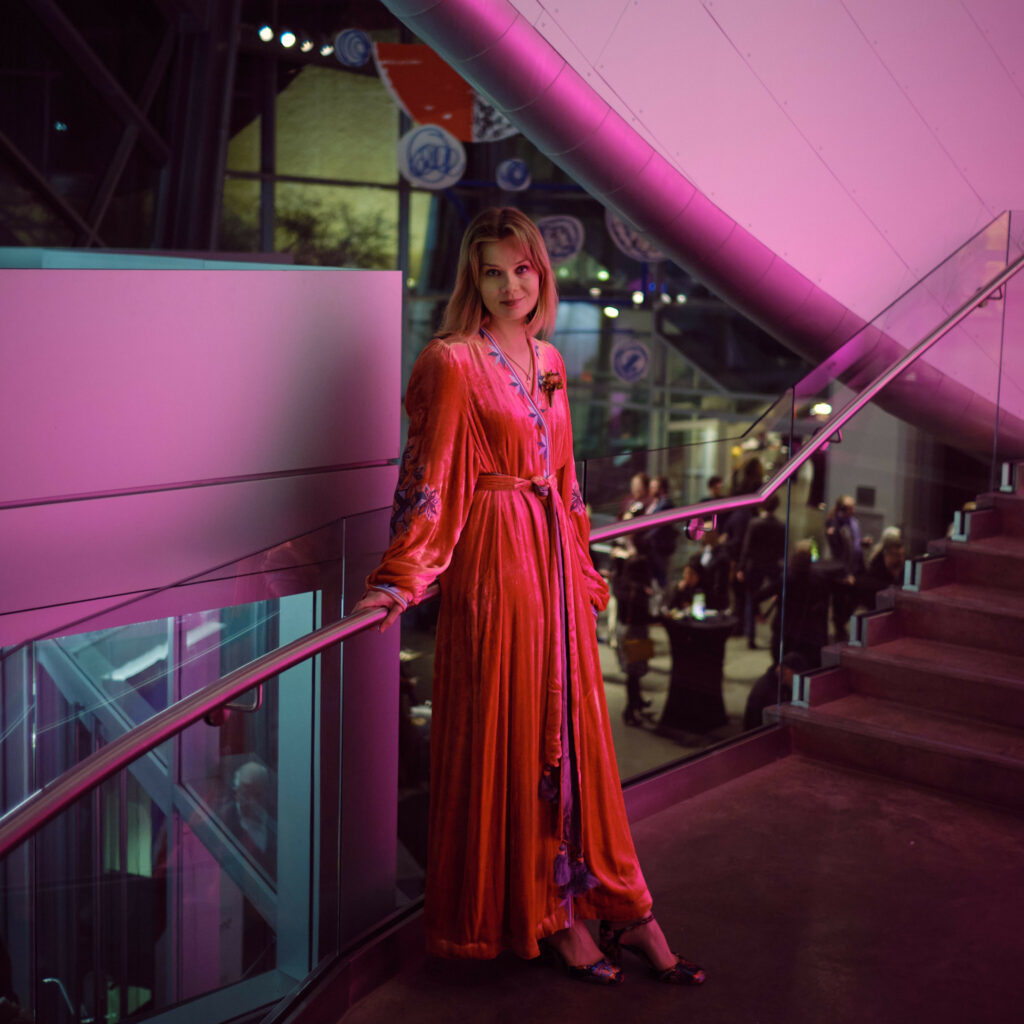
<point>811,894</point>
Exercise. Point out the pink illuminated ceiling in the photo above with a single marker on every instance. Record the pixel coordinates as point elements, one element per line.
<point>809,159</point>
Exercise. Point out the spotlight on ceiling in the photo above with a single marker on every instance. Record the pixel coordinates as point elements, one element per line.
<point>611,312</point>
<point>638,298</point>
<point>326,49</point>
<point>266,33</point>
<point>603,275</point>
<point>287,39</point>
<point>306,45</point>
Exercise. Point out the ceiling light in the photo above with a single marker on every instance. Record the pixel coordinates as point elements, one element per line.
<point>287,39</point>
<point>603,275</point>
<point>638,298</point>
<point>611,312</point>
<point>266,33</point>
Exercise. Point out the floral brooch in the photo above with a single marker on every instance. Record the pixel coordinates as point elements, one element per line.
<point>550,382</point>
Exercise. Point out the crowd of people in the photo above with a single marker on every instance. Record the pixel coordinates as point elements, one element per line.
<point>740,567</point>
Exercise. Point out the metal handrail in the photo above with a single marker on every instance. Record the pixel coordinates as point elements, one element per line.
<point>43,805</point>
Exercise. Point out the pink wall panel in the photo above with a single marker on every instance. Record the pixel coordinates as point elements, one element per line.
<point>814,59</point>
<point>77,551</point>
<point>1000,23</point>
<point>133,386</point>
<point>946,71</point>
<point>137,378</point>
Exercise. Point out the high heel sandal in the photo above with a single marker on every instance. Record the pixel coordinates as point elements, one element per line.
<point>682,972</point>
<point>601,972</point>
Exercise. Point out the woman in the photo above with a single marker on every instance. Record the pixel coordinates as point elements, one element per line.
<point>528,831</point>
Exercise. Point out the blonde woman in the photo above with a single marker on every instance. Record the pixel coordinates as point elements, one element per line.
<point>528,831</point>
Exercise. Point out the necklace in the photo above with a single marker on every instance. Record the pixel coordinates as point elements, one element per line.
<point>526,371</point>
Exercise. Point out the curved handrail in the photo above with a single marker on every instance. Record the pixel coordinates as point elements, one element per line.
<point>43,805</point>
<point>46,803</point>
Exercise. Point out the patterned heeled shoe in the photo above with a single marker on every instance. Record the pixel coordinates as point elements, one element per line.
<point>682,972</point>
<point>602,972</point>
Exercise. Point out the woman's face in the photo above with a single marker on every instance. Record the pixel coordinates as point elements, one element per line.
<point>509,282</point>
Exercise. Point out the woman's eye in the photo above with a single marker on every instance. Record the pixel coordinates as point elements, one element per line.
<point>524,269</point>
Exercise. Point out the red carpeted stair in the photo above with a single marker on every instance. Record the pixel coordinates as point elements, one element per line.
<point>931,687</point>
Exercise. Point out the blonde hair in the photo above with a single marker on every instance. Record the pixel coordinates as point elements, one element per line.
<point>465,311</point>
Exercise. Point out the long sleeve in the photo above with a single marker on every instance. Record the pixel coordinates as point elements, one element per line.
<point>436,479</point>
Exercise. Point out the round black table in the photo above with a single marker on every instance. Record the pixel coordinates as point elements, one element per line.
<point>695,701</point>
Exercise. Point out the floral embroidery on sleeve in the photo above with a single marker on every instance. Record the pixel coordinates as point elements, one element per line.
<point>576,503</point>
<point>412,496</point>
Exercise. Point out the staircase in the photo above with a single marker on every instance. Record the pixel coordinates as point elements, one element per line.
<point>930,688</point>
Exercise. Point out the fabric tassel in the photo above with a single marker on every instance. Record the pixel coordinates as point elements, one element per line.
<point>548,789</point>
<point>581,880</point>
<point>563,872</point>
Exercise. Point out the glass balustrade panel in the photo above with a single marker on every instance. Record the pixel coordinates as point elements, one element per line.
<point>213,870</point>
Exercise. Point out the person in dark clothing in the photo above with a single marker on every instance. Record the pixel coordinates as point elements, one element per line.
<point>715,569</point>
<point>631,585</point>
<point>842,530</point>
<point>745,480</point>
<point>658,543</point>
<point>776,685</point>
<point>760,562</point>
<point>680,597</point>
<point>803,614</point>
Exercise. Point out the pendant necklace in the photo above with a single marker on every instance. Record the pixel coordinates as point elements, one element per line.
<point>527,373</point>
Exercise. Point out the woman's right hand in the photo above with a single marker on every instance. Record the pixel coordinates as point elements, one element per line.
<point>379,599</point>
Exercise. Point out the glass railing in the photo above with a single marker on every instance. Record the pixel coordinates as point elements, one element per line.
<point>213,873</point>
<point>930,440</point>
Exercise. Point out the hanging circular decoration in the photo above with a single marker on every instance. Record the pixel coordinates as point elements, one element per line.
<point>513,175</point>
<point>352,47</point>
<point>563,237</point>
<point>630,360</point>
<point>630,241</point>
<point>430,157</point>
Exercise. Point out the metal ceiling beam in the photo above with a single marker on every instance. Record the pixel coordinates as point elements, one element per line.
<point>54,198</point>
<point>108,186</point>
<point>65,33</point>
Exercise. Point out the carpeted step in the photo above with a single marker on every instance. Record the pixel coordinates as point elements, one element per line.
<point>992,561</point>
<point>953,678</point>
<point>1011,513</point>
<point>967,758</point>
<point>971,614</point>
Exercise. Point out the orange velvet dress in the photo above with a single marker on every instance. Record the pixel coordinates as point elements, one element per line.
<point>527,823</point>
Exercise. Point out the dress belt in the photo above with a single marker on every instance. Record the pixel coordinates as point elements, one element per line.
<point>503,482</point>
